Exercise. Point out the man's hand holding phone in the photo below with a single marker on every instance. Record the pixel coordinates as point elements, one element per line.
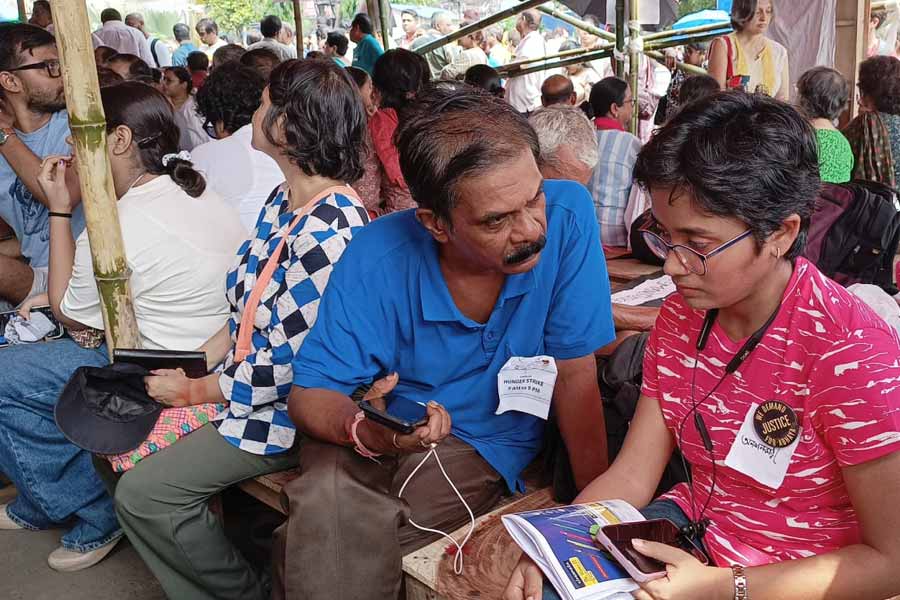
<point>390,440</point>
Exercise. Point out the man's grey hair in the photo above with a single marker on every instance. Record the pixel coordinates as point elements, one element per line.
<point>558,126</point>
<point>438,16</point>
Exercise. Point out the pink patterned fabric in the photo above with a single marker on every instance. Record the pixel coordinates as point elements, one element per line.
<point>172,425</point>
<point>829,357</point>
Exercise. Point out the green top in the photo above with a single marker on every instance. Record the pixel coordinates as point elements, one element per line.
<point>835,156</point>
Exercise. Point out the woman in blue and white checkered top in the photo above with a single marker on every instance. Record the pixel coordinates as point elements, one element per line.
<point>312,123</point>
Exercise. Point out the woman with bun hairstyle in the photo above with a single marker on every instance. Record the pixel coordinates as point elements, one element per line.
<point>179,241</point>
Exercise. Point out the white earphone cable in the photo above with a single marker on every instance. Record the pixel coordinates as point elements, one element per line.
<point>458,559</point>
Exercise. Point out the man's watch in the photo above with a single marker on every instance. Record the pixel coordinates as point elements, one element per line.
<point>5,134</point>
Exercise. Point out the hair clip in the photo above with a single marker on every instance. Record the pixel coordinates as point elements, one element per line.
<point>183,155</point>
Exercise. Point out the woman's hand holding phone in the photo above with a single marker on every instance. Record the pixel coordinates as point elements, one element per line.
<point>433,432</point>
<point>686,577</point>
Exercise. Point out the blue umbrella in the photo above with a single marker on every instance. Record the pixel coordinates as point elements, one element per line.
<point>704,17</point>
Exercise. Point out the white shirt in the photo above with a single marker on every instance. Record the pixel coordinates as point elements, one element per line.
<point>179,250</point>
<point>211,50</point>
<point>124,40</point>
<point>163,54</point>
<point>283,51</point>
<point>524,92</point>
<point>242,176</point>
<point>190,124</point>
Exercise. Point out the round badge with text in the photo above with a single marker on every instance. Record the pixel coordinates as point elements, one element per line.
<point>776,424</point>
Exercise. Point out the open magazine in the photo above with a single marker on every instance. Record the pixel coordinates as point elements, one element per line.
<point>559,541</point>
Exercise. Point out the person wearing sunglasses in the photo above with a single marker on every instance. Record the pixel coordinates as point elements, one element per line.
<point>33,124</point>
<point>777,385</point>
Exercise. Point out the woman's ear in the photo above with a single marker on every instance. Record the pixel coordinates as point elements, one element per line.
<point>120,140</point>
<point>784,237</point>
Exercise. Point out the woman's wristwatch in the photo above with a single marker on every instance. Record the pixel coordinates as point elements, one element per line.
<point>741,592</point>
<point>5,134</point>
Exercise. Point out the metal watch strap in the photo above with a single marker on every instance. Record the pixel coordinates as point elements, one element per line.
<point>741,591</point>
<point>6,134</point>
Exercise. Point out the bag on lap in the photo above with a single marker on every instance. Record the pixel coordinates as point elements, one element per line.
<point>854,234</point>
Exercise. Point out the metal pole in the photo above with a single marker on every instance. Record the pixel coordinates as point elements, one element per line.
<point>298,26</point>
<point>478,25</point>
<point>22,16</point>
<point>634,28</point>
<point>620,39</point>
<point>384,12</point>
<point>596,55</point>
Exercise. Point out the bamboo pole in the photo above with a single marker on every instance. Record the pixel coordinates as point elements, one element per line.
<point>372,11</point>
<point>23,17</point>
<point>478,25</point>
<point>88,124</point>
<point>298,27</point>
<point>578,23</point>
<point>634,28</point>
<point>565,54</point>
<point>672,43</point>
<point>384,13</point>
<point>682,66</point>
<point>590,56</point>
<point>668,33</point>
<point>620,39</point>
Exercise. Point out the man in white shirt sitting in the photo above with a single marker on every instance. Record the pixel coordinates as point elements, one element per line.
<point>242,176</point>
<point>121,37</point>
<point>162,56</point>
<point>524,92</point>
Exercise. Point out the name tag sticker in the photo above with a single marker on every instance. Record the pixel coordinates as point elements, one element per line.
<point>526,385</point>
<point>766,443</point>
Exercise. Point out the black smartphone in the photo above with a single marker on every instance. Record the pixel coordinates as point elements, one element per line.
<point>398,424</point>
<point>617,539</point>
<point>192,363</point>
<point>57,332</point>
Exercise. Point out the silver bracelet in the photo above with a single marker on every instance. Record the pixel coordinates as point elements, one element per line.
<point>741,591</point>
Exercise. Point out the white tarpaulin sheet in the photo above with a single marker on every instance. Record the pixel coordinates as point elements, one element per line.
<point>806,29</point>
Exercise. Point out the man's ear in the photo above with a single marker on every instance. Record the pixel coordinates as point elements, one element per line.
<point>10,83</point>
<point>435,225</point>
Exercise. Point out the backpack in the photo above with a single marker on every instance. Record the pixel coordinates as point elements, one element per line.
<point>620,378</point>
<point>854,234</point>
<point>153,52</point>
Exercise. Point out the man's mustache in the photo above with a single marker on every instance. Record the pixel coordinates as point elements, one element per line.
<point>526,252</point>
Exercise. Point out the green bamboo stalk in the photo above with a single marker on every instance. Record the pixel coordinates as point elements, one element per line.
<point>384,14</point>
<point>669,33</point>
<point>565,54</point>
<point>88,124</point>
<point>620,39</point>
<point>478,25</point>
<point>590,56</point>
<point>298,27</point>
<point>578,23</point>
<point>634,27</point>
<point>23,17</point>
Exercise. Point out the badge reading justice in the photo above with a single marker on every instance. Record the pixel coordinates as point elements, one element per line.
<point>776,424</point>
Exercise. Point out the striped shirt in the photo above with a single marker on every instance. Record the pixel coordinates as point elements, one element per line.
<point>830,358</point>
<point>611,183</point>
<point>256,419</point>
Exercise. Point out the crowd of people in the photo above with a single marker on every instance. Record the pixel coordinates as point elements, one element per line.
<point>401,228</point>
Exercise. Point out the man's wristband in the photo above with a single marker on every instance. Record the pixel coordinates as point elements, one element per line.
<point>60,214</point>
<point>359,446</point>
<point>741,591</point>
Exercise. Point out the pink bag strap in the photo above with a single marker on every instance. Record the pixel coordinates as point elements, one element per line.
<point>245,334</point>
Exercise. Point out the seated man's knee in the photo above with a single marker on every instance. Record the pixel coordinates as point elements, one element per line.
<point>134,495</point>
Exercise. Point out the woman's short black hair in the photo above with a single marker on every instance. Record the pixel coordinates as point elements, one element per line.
<point>439,146</point>
<point>823,93</point>
<point>231,94</point>
<point>183,75</point>
<point>198,61</point>
<point>738,155</point>
<point>697,87</point>
<point>879,80</point>
<point>743,12</point>
<point>323,118</point>
<point>363,22</point>
<point>605,93</point>
<point>486,78</point>
<point>398,76</point>
<point>150,117</point>
<point>360,76</point>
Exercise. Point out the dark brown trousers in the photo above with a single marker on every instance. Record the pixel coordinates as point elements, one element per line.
<point>347,531</point>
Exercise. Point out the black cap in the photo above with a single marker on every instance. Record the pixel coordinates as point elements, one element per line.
<point>106,410</point>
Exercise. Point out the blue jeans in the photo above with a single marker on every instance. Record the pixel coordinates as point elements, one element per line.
<point>55,480</point>
<point>659,509</point>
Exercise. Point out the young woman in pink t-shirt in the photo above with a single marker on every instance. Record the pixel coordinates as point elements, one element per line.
<point>780,388</point>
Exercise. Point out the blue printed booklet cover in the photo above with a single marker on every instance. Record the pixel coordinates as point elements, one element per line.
<point>559,541</point>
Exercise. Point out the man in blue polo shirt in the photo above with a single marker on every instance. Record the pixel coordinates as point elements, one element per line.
<point>367,48</point>
<point>496,267</point>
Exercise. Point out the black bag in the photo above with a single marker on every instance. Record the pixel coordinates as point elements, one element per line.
<point>854,234</point>
<point>620,377</point>
<point>639,248</point>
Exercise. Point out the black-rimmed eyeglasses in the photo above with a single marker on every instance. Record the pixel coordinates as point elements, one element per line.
<point>693,261</point>
<point>53,68</point>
